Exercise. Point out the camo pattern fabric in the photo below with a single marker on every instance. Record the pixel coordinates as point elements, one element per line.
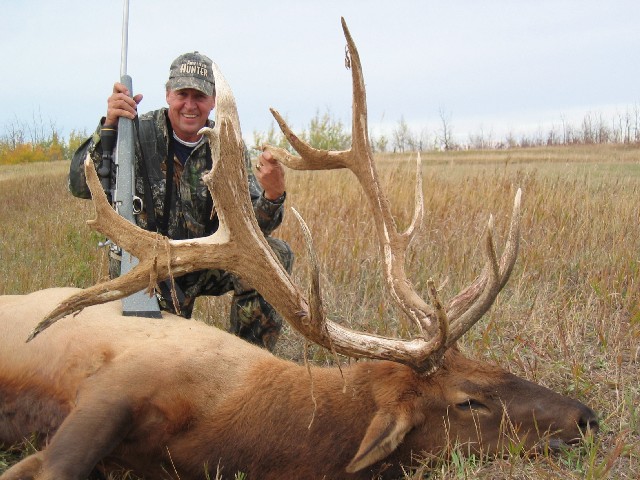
<point>251,316</point>
<point>191,199</point>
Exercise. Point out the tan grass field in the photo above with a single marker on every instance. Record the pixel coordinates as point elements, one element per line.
<point>569,318</point>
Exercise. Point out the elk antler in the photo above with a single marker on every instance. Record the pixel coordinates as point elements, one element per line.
<point>238,246</point>
<point>439,328</point>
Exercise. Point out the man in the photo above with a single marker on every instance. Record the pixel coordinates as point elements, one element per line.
<point>168,146</point>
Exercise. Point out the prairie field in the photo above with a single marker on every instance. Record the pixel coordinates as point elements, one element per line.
<point>569,317</point>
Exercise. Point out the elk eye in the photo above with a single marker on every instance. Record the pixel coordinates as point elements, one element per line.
<point>471,404</point>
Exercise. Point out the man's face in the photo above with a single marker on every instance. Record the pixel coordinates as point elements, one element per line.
<point>188,112</point>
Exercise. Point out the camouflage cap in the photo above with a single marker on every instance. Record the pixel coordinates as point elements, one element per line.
<point>192,70</point>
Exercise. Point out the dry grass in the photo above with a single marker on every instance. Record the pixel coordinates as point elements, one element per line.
<point>569,318</point>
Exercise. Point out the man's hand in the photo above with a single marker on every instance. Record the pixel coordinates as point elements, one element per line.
<point>120,104</point>
<point>270,175</point>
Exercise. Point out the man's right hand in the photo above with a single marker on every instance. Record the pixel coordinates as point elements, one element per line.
<point>120,104</point>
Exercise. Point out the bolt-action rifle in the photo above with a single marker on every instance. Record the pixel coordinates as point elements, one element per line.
<point>139,304</point>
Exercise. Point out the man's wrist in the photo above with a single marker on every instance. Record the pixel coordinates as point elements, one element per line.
<point>278,200</point>
<point>104,122</point>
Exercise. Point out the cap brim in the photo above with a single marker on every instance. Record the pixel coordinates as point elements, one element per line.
<point>186,82</point>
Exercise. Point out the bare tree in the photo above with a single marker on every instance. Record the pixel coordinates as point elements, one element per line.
<point>446,130</point>
<point>403,138</point>
<point>481,140</point>
<point>379,143</point>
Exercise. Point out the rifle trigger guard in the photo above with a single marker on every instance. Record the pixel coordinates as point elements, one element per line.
<point>137,205</point>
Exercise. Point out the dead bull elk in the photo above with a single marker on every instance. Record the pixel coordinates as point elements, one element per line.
<point>173,398</point>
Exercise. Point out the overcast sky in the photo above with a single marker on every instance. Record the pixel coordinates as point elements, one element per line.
<point>496,66</point>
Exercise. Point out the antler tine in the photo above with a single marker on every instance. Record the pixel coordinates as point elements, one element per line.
<point>466,308</point>
<point>137,241</point>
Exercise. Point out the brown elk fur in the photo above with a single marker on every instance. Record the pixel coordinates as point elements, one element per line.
<point>172,398</point>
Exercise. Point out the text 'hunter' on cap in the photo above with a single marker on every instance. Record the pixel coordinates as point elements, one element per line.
<point>192,70</point>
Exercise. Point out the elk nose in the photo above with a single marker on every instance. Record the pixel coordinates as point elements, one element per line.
<point>588,421</point>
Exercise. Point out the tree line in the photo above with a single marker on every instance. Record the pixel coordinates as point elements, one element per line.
<point>38,141</point>
<point>326,132</point>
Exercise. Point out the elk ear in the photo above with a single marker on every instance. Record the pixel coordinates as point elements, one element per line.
<point>385,432</point>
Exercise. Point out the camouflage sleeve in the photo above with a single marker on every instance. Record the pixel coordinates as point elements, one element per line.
<point>77,181</point>
<point>268,214</point>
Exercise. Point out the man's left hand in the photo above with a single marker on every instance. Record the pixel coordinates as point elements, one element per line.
<point>270,175</point>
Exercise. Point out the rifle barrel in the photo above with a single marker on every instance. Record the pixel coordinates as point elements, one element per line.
<point>125,39</point>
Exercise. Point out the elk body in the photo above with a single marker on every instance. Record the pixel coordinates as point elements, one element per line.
<point>173,398</point>
<point>168,398</point>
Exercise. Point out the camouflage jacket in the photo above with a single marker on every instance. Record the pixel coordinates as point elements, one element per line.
<point>191,205</point>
